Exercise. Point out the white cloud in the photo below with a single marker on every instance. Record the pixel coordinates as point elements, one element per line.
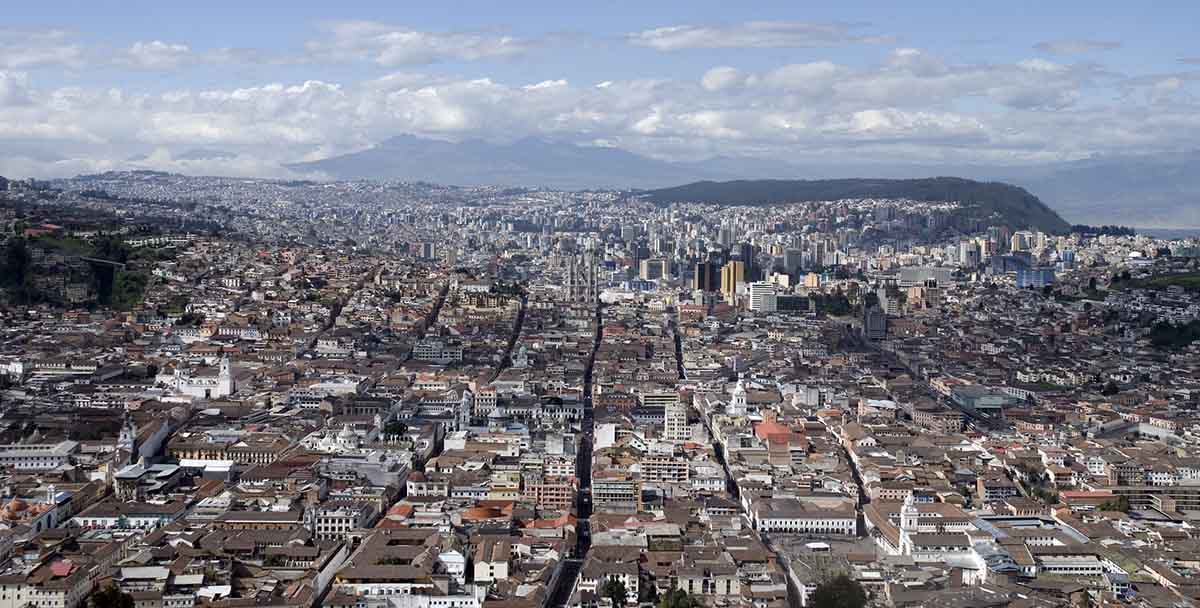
<point>720,78</point>
<point>391,46</point>
<point>24,49</point>
<point>156,55</point>
<point>754,34</point>
<point>812,78</point>
<point>14,88</point>
<point>1076,47</point>
<point>910,106</point>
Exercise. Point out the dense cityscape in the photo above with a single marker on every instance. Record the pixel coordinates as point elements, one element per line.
<point>535,304</point>
<point>231,392</point>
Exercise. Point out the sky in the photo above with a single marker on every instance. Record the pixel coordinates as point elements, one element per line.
<point>244,88</point>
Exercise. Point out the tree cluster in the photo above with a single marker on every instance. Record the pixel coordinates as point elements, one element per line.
<point>1168,336</point>
<point>1106,230</point>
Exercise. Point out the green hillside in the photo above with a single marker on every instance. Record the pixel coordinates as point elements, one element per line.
<point>1016,206</point>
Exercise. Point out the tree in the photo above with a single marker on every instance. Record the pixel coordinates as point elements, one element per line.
<point>111,597</point>
<point>16,263</point>
<point>394,428</point>
<point>614,590</point>
<point>1120,504</point>
<point>840,591</point>
<point>678,598</point>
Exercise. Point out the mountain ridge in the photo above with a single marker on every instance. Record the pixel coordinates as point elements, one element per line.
<point>528,161</point>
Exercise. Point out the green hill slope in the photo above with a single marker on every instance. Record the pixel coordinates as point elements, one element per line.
<point>1015,206</point>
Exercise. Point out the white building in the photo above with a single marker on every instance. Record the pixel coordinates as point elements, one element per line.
<point>337,519</point>
<point>675,425</point>
<point>38,456</point>
<point>438,351</point>
<point>492,558</point>
<point>796,517</point>
<point>763,297</point>
<point>202,385</point>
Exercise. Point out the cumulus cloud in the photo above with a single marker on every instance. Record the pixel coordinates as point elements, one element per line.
<point>911,104</point>
<point>813,78</point>
<point>156,55</point>
<point>390,46</point>
<point>720,78</point>
<point>755,34</point>
<point>1076,47</point>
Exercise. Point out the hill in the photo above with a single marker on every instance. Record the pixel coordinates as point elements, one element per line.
<point>1015,205</point>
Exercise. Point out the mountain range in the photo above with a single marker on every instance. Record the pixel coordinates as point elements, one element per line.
<point>1158,190</point>
<point>526,162</point>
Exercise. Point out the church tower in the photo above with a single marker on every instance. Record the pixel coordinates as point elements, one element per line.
<point>127,442</point>
<point>225,383</point>
<point>464,409</point>
<point>737,404</point>
<point>909,516</point>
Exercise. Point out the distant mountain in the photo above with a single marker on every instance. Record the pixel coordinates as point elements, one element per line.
<point>526,162</point>
<point>1159,190</point>
<point>204,154</point>
<point>1150,190</point>
<point>1016,205</point>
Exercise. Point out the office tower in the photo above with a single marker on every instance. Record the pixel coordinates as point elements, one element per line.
<point>762,297</point>
<point>725,236</point>
<point>427,250</point>
<point>968,254</point>
<point>746,255</point>
<point>732,274</point>
<point>675,425</point>
<point>705,277</point>
<point>655,269</point>
<point>874,323</point>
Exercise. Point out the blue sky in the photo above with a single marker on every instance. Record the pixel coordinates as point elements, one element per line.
<point>90,85</point>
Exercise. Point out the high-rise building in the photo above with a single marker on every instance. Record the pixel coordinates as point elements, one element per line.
<point>874,323</point>
<point>675,422</point>
<point>725,236</point>
<point>655,269</point>
<point>968,254</point>
<point>792,260</point>
<point>705,277</point>
<point>427,250</point>
<point>762,297</point>
<point>733,274</point>
<point>746,255</point>
<point>1034,277</point>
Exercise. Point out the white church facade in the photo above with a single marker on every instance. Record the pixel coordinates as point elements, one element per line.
<point>202,384</point>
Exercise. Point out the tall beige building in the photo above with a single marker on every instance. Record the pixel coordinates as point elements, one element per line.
<point>732,274</point>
